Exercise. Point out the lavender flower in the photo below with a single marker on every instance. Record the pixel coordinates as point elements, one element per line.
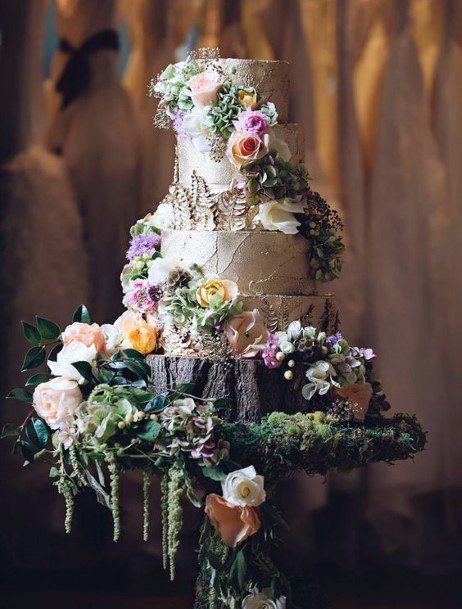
<point>143,244</point>
<point>269,353</point>
<point>333,339</point>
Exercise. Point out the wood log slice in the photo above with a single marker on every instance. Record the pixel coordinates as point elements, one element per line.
<point>254,389</point>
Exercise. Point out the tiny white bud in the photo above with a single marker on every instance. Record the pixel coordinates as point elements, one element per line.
<point>291,363</point>
<point>153,417</point>
<point>280,356</point>
<point>141,414</point>
<point>288,375</point>
<point>129,419</point>
<point>121,425</point>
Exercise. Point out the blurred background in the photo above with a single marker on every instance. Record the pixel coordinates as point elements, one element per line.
<point>377,85</point>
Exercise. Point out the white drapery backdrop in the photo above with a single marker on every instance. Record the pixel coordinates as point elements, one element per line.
<point>377,86</point>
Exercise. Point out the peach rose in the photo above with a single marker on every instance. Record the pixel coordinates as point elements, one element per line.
<point>246,333</point>
<point>213,287</point>
<point>137,333</point>
<point>85,333</point>
<point>244,148</point>
<point>56,401</point>
<point>360,394</point>
<point>247,99</point>
<point>234,522</point>
<point>204,88</point>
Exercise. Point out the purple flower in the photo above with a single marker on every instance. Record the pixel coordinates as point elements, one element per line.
<point>367,353</point>
<point>143,244</point>
<point>269,353</point>
<point>177,123</point>
<point>142,297</point>
<point>251,121</point>
<point>333,339</point>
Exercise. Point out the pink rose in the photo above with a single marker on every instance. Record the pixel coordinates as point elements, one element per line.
<point>360,394</point>
<point>204,88</point>
<point>252,121</point>
<point>234,522</point>
<point>85,333</point>
<point>244,148</point>
<point>56,401</point>
<point>246,333</point>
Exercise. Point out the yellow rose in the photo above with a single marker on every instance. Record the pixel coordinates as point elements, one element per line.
<point>213,286</point>
<point>143,338</point>
<point>246,99</point>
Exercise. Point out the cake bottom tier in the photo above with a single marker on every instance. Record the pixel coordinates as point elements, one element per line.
<point>277,312</point>
<point>253,389</point>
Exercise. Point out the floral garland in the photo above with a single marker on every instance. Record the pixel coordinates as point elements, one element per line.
<point>203,104</point>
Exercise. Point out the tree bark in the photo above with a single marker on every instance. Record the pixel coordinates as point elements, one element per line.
<point>254,389</point>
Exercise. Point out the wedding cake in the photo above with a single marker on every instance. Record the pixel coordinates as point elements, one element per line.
<point>240,225</point>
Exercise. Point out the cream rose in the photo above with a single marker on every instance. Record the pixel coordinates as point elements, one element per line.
<point>244,148</point>
<point>214,286</point>
<point>263,600</point>
<point>56,401</point>
<point>359,394</point>
<point>204,88</point>
<point>280,215</point>
<point>69,354</point>
<point>244,487</point>
<point>247,333</point>
<point>113,337</point>
<point>86,334</point>
<point>234,522</point>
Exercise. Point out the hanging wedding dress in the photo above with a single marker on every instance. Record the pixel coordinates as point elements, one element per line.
<point>92,126</point>
<point>42,263</point>
<point>406,197</point>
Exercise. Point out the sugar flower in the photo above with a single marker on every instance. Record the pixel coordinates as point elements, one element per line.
<point>359,394</point>
<point>251,121</point>
<point>56,401</point>
<point>143,244</point>
<point>234,523</point>
<point>246,333</point>
<point>320,376</point>
<point>245,148</point>
<point>137,333</point>
<point>143,296</point>
<point>160,269</point>
<point>84,333</point>
<point>244,487</point>
<point>280,215</point>
<point>196,126</point>
<point>71,353</point>
<point>163,218</point>
<point>263,600</point>
<point>204,88</point>
<point>215,288</point>
<point>269,353</point>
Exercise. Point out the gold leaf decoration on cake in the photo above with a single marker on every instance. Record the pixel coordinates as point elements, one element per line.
<point>202,204</point>
<point>232,211</point>
<point>270,315</point>
<point>283,314</point>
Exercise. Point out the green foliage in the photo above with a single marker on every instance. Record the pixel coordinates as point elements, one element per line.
<point>82,315</point>
<point>33,358</point>
<point>31,333</point>
<point>20,394</point>
<point>48,329</point>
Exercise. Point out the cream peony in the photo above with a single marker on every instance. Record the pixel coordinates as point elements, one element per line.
<point>244,487</point>
<point>69,354</point>
<point>86,334</point>
<point>163,218</point>
<point>56,402</point>
<point>136,332</point>
<point>160,269</point>
<point>279,215</point>
<point>246,333</point>
<point>204,88</point>
<point>263,600</point>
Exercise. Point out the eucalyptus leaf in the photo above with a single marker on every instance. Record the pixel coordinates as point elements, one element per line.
<point>33,358</point>
<point>213,473</point>
<point>48,329</point>
<point>156,404</point>
<point>9,431</point>
<point>31,333</point>
<point>149,431</point>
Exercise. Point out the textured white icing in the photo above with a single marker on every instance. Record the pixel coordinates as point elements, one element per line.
<point>269,78</point>
<point>219,174</point>
<point>260,262</point>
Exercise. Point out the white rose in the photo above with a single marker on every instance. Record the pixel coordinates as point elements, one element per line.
<point>243,487</point>
<point>69,354</point>
<point>56,401</point>
<point>164,217</point>
<point>160,269</point>
<point>196,125</point>
<point>279,215</point>
<point>114,338</point>
<point>263,600</point>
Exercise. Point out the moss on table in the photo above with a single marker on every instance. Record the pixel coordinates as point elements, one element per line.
<point>314,443</point>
